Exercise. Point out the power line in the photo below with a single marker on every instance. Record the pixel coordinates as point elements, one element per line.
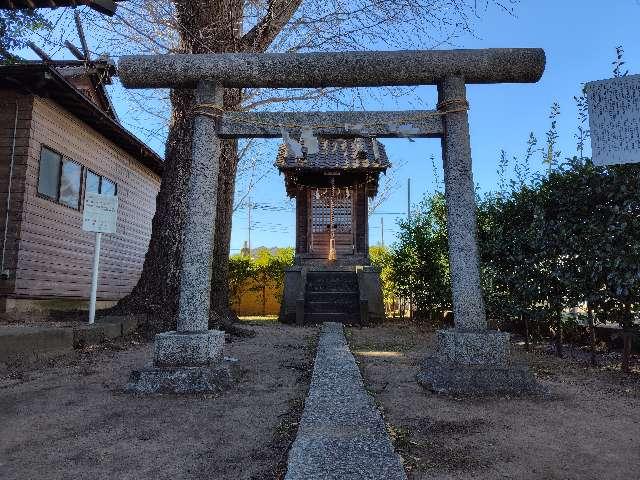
<point>249,242</point>
<point>265,207</point>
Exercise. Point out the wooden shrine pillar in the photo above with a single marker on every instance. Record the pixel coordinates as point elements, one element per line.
<point>360,220</point>
<point>302,220</point>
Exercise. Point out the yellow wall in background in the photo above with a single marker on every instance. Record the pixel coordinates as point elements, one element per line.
<point>251,302</point>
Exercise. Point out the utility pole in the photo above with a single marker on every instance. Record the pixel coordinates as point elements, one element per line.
<point>249,229</point>
<point>382,228</point>
<point>409,198</point>
<point>409,219</point>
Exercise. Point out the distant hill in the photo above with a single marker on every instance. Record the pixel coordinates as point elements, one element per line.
<point>256,251</point>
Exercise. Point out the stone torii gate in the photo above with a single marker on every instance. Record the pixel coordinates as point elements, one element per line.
<point>469,357</point>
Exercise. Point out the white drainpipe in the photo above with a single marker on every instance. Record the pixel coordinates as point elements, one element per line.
<point>5,273</point>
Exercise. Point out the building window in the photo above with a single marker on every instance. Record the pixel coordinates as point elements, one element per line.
<point>97,184</point>
<point>92,182</point>
<point>49,175</point>
<point>59,178</point>
<point>108,187</point>
<point>70,181</point>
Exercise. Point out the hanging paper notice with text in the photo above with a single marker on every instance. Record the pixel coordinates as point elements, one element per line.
<point>614,120</point>
<point>100,213</point>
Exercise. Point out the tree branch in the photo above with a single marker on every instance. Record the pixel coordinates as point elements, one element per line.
<point>279,12</point>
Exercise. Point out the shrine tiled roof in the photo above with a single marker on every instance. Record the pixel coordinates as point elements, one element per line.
<point>336,154</point>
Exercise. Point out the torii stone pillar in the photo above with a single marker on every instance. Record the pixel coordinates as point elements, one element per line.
<point>189,360</point>
<point>469,358</point>
<point>468,304</point>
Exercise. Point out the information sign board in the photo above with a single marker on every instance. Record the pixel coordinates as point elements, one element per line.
<point>100,213</point>
<point>614,120</point>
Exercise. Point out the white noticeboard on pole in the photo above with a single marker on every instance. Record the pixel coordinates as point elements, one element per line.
<point>100,216</point>
<point>614,120</point>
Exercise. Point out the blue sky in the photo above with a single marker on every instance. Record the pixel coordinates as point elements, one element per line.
<point>579,38</point>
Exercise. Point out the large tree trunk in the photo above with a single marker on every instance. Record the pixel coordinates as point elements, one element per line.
<point>558,339</point>
<point>156,293</point>
<point>257,39</point>
<point>204,26</point>
<point>221,313</point>
<point>592,331</point>
<point>627,335</point>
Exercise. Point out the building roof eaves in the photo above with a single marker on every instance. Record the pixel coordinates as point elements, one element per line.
<point>39,78</point>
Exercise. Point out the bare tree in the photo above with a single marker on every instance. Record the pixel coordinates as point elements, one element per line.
<point>206,26</point>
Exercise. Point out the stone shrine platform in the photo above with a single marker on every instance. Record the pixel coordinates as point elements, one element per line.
<point>341,434</point>
<point>348,294</point>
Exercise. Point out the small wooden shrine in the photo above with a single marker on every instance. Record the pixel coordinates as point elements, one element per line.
<point>332,181</point>
<point>332,187</point>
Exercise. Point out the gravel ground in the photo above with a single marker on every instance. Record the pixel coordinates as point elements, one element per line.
<point>588,428</point>
<point>69,419</point>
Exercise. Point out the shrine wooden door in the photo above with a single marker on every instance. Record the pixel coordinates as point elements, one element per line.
<point>331,209</point>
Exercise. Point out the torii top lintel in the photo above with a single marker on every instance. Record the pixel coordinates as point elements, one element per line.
<point>335,69</point>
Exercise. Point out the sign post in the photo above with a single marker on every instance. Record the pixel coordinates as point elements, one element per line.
<point>100,216</point>
<point>94,278</point>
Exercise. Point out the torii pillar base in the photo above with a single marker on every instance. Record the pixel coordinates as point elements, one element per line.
<point>184,363</point>
<point>476,363</point>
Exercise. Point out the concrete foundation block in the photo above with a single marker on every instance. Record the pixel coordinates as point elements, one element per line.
<point>96,333</point>
<point>130,324</point>
<point>299,318</point>
<point>473,348</point>
<point>27,343</point>
<point>293,291</point>
<point>370,289</point>
<point>178,349</point>
<point>179,380</point>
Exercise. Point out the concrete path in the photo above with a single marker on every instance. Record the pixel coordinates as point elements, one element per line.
<point>341,435</point>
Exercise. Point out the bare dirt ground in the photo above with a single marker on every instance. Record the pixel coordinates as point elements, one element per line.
<point>587,428</point>
<point>69,419</point>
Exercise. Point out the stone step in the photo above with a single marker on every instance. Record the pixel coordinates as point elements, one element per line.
<point>349,306</point>
<point>333,279</point>
<point>317,318</point>
<point>328,275</point>
<point>336,297</point>
<point>332,286</point>
<point>337,289</point>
